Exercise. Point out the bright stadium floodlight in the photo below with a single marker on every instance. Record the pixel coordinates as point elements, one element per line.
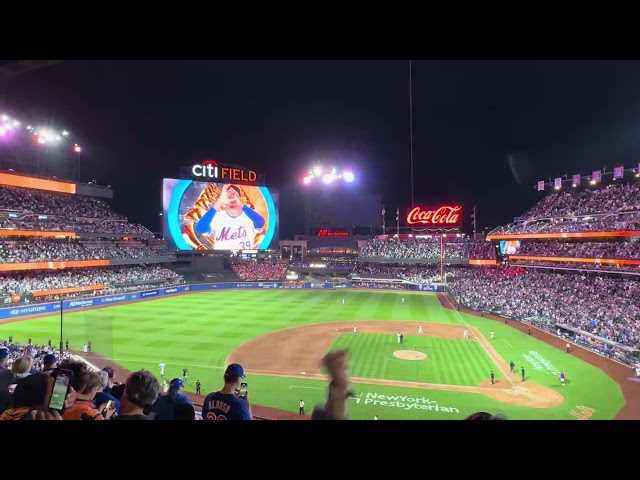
<point>65,133</point>
<point>2,132</point>
<point>327,178</point>
<point>306,180</point>
<point>317,171</point>
<point>41,140</point>
<point>76,148</point>
<point>348,176</point>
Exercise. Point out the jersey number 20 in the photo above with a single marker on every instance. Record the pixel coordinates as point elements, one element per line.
<point>213,416</point>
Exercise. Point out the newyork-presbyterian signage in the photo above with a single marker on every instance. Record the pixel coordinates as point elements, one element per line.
<point>445,216</point>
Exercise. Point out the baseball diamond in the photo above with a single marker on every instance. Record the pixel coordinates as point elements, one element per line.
<point>280,335</point>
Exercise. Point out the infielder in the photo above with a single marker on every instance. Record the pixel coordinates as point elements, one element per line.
<point>161,365</point>
<point>466,334</point>
<point>232,224</point>
<point>419,329</point>
<point>355,330</point>
<point>563,378</point>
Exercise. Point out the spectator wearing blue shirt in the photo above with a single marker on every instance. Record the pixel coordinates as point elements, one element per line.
<point>226,403</point>
<point>102,396</point>
<point>165,406</point>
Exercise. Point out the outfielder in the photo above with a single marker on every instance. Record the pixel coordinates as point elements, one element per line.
<point>492,336</point>
<point>161,365</point>
<point>231,224</point>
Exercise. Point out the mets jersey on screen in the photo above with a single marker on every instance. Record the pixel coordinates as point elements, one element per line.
<point>232,233</point>
<point>221,406</point>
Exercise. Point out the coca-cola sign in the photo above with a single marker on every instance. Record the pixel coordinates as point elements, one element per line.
<point>442,216</point>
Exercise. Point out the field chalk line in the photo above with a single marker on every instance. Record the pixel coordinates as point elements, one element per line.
<point>510,346</point>
<point>488,350</point>
<point>303,386</point>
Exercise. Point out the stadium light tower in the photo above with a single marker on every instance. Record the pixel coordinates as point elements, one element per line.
<point>325,178</point>
<point>327,175</point>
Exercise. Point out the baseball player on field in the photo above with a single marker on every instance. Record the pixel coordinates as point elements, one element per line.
<point>231,224</point>
<point>466,333</point>
<point>419,329</point>
<point>161,365</point>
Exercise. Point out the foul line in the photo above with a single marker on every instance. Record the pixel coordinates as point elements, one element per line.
<point>507,343</point>
<point>486,345</point>
<point>303,386</point>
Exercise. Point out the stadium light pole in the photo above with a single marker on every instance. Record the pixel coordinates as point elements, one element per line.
<point>327,177</point>
<point>61,316</point>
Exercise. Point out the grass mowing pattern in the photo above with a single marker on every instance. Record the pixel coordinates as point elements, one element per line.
<point>448,362</point>
<point>198,331</point>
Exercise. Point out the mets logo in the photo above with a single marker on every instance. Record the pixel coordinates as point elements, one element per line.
<point>15,311</point>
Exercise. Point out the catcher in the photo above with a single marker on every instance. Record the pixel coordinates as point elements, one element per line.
<point>225,218</point>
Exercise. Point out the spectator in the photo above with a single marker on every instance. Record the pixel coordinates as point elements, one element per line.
<point>225,404</point>
<point>140,392</point>
<point>49,362</point>
<point>103,397</point>
<point>6,379</point>
<point>85,382</point>
<point>21,367</point>
<point>185,411</point>
<point>30,394</point>
<point>165,406</point>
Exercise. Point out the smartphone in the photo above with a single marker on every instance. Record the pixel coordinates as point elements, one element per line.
<point>58,388</point>
<point>107,407</point>
<point>242,391</point>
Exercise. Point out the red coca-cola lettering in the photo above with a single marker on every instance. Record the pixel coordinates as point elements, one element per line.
<point>446,215</point>
<point>327,233</point>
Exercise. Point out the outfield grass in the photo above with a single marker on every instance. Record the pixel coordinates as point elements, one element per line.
<point>198,331</point>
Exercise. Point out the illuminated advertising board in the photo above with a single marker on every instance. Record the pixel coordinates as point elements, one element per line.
<point>444,216</point>
<point>211,171</point>
<point>199,215</point>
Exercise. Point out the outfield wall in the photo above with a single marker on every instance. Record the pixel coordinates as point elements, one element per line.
<point>53,307</point>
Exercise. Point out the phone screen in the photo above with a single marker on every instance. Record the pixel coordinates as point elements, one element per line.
<point>59,393</point>
<point>242,391</point>
<point>107,406</point>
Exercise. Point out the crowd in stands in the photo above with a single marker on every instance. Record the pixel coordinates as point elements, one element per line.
<point>609,223</point>
<point>34,281</point>
<point>606,306</point>
<point>427,249</point>
<point>615,208</point>
<point>251,270</point>
<point>612,199</point>
<point>601,267</point>
<point>29,209</point>
<point>48,250</point>
<point>323,264</point>
<point>420,275</point>
<point>617,250</point>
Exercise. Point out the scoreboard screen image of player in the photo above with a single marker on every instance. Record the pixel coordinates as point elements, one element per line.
<point>218,216</point>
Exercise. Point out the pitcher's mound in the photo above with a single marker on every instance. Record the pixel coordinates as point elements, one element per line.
<point>409,355</point>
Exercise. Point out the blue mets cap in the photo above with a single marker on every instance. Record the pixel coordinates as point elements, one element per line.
<point>4,352</point>
<point>176,382</point>
<point>236,370</point>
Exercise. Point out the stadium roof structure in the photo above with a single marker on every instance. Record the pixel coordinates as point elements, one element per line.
<point>13,68</point>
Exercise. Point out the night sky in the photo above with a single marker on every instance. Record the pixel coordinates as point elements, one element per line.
<point>484,131</point>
